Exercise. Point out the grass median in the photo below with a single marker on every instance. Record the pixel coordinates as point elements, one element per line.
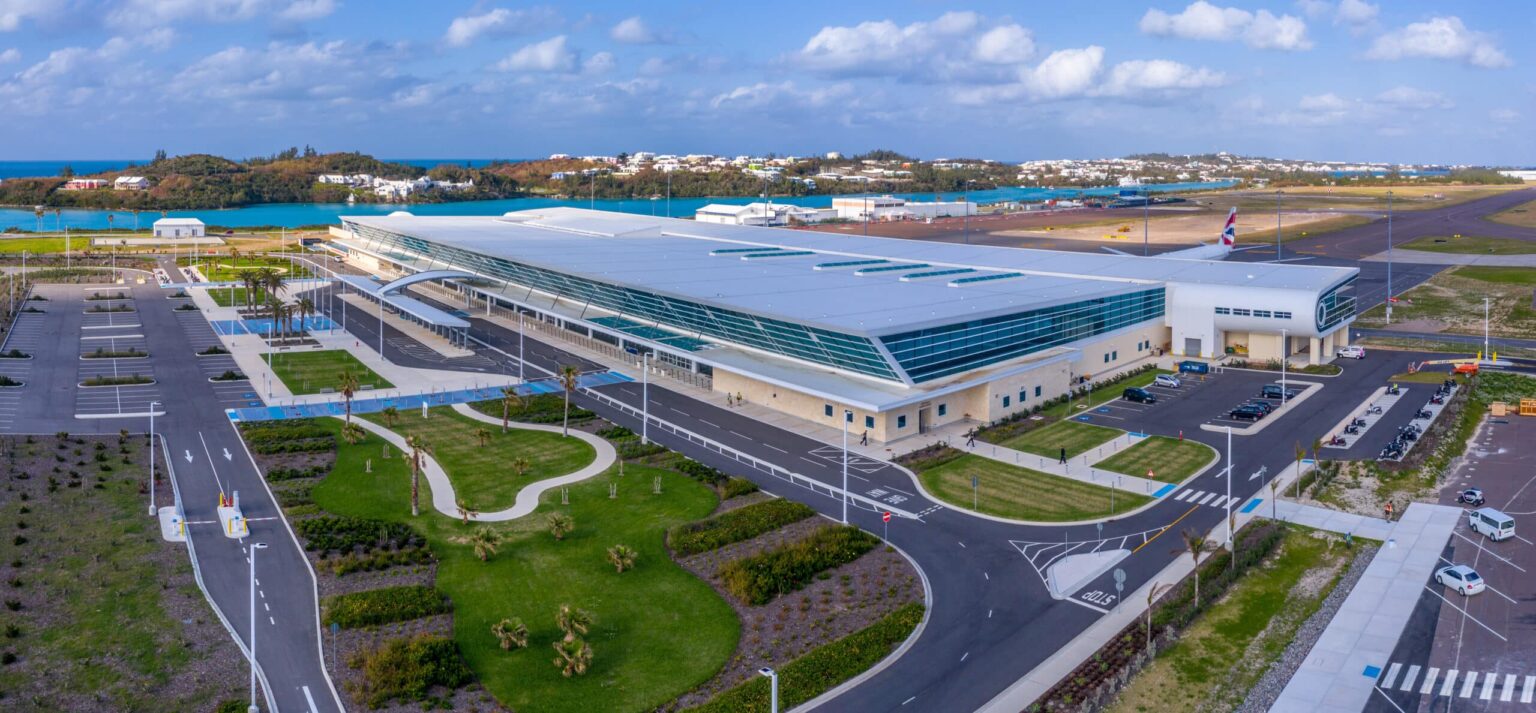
<point>234,297</point>
<point>313,372</point>
<point>659,631</point>
<point>1075,436</point>
<point>1171,460</point>
<point>1472,245</point>
<point>1011,491</point>
<point>1452,302</point>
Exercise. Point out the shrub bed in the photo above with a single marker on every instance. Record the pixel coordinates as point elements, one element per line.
<point>635,450</point>
<point>929,457</point>
<point>14,354</point>
<point>382,606</point>
<point>737,487</point>
<point>350,534</point>
<point>102,353</point>
<point>294,494</point>
<point>824,667</point>
<point>408,669</point>
<point>125,380</point>
<point>700,472</point>
<point>282,473</point>
<point>543,408</point>
<point>383,559</point>
<point>758,579</point>
<point>736,526</point>
<point>299,436</point>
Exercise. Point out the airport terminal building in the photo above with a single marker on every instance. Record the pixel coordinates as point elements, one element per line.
<point>905,334</point>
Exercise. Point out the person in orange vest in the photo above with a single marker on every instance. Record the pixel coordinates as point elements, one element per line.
<point>1389,511</point>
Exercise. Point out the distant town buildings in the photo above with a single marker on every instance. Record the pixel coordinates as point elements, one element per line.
<point>391,188</point>
<point>83,184</point>
<point>761,214</point>
<point>180,228</point>
<point>130,183</point>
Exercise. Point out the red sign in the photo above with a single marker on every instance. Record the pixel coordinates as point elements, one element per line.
<point>886,517</point>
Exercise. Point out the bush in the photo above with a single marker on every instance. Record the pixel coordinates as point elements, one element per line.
<point>635,450</point>
<point>378,560</point>
<point>230,375</point>
<point>736,487</point>
<point>821,669</point>
<point>758,579</point>
<point>616,433</point>
<point>280,474</point>
<point>408,669</point>
<point>215,349</point>
<point>382,606</point>
<point>543,408</point>
<point>125,380</point>
<point>8,381</point>
<point>14,354</point>
<point>735,526</point>
<point>350,534</point>
<point>296,436</point>
<point>700,472</point>
<point>930,457</point>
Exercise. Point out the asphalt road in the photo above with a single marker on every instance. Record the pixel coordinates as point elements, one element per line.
<point>197,435</point>
<point>992,618</point>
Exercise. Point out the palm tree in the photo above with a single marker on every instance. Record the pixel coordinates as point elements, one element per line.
<point>510,633</point>
<point>248,283</point>
<point>135,220</point>
<point>573,656</point>
<point>417,446</point>
<point>509,401</point>
<point>483,435</point>
<point>484,540</point>
<point>568,374</point>
<point>573,621</point>
<point>1300,453</point>
<point>110,219</point>
<point>465,511</point>
<point>622,557</point>
<point>560,524</point>
<point>58,219</point>
<point>348,385</point>
<point>1274,487</point>
<point>1196,545</point>
<point>38,211</point>
<point>1152,594</point>
<point>520,465</point>
<point>391,416</point>
<point>306,310</point>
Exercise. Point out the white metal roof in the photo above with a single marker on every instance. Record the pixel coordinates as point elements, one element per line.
<point>673,256</point>
<point>178,221</point>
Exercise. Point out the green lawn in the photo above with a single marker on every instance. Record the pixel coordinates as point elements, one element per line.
<point>1219,658</point>
<point>660,631</point>
<point>309,372</point>
<point>15,246</point>
<point>1171,459</point>
<point>1472,245</point>
<point>221,268</point>
<point>1020,493</point>
<point>483,476</point>
<point>1425,377</point>
<point>234,297</point>
<point>1075,436</point>
<point>1522,215</point>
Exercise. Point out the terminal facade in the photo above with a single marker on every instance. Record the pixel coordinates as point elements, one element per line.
<point>892,337</point>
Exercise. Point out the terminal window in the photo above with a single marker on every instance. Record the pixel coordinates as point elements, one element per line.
<point>943,409</point>
<point>827,409</point>
<point>869,421</point>
<point>1240,312</point>
<point>901,422</point>
<point>1006,401</point>
<point>1223,310</point>
<point>1037,392</point>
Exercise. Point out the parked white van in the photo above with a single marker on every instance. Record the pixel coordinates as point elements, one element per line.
<point>1491,523</point>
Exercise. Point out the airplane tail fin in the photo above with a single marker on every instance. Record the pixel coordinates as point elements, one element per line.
<point>1229,232</point>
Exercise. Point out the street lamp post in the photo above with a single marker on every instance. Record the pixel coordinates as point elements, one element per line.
<point>965,209</point>
<point>773,688</point>
<point>1487,355</point>
<point>1278,193</point>
<point>521,329</point>
<point>381,323</point>
<point>1285,353</point>
<point>152,406</point>
<point>847,416</point>
<point>1231,469</point>
<point>645,397</point>
<point>254,547</point>
<point>1146,219</point>
<point>1389,257</point>
<point>867,216</point>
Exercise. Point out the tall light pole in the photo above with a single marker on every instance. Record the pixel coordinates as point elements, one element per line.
<point>1487,355</point>
<point>381,322</point>
<point>1389,257</point>
<point>1278,193</point>
<point>867,216</point>
<point>1231,469</point>
<point>254,546</point>
<point>773,688</point>
<point>1146,219</point>
<point>152,406</point>
<point>521,330</point>
<point>669,194</point>
<point>965,209</point>
<point>847,416</point>
<point>645,397</point>
<point>1285,353</point>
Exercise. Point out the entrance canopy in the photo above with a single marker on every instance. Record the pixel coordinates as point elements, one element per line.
<point>413,308</point>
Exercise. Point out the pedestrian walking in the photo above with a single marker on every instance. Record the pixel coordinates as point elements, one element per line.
<point>864,439</point>
<point>739,398</point>
<point>728,402</point>
<point>1063,456</point>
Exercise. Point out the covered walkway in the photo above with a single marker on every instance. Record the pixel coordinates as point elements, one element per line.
<point>444,324</point>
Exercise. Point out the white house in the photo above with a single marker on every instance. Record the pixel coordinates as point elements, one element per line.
<point>180,228</point>
<point>130,183</point>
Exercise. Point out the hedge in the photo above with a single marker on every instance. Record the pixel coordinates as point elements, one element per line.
<point>408,669</point>
<point>382,606</point>
<point>821,669</point>
<point>383,559</point>
<point>281,473</point>
<point>737,487</point>
<point>297,436</point>
<point>691,538</point>
<point>758,579</point>
<point>348,534</point>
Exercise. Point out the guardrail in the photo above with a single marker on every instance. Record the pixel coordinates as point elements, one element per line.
<point>755,463</point>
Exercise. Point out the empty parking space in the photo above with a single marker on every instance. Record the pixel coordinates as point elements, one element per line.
<point>25,336</point>
<point>230,394</point>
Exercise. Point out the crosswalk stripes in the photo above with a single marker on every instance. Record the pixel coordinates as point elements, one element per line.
<point>1458,684</point>
<point>1201,497</point>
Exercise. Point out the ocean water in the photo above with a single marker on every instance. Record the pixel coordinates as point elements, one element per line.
<point>31,169</point>
<point>291,215</point>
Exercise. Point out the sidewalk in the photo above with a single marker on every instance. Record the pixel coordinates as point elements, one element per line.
<point>1343,523</point>
<point>1340,671</point>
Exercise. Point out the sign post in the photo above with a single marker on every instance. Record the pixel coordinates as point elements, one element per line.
<point>1119,585</point>
<point>886,518</point>
<point>975,493</point>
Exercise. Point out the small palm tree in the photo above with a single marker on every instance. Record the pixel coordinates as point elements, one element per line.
<point>483,435</point>
<point>568,374</point>
<point>484,540</point>
<point>573,656</point>
<point>1274,487</point>
<point>622,557</point>
<point>418,447</point>
<point>348,385</point>
<point>135,220</point>
<point>509,400</point>
<point>465,511</point>
<point>391,415</point>
<point>39,213</point>
<point>573,621</point>
<point>560,524</point>
<point>248,283</point>
<point>520,466</point>
<point>306,307</point>
<point>1196,545</point>
<point>1301,453</point>
<point>510,633</point>
<point>1152,594</point>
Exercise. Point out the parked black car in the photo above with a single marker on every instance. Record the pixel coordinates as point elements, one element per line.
<point>1139,395</point>
<point>1246,412</point>
<point>1273,391</point>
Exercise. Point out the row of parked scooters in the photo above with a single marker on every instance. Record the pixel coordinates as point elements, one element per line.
<point>1411,432</point>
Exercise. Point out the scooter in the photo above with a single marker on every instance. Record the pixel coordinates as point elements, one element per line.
<point>1337,440</point>
<point>1373,411</point>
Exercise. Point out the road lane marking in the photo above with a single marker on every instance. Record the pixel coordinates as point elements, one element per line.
<point>1391,677</point>
<point>1081,603</point>
<point>1207,498</point>
<point>909,700</point>
<point>1409,678</point>
<point>711,425</point>
<point>962,544</point>
<point>966,656</point>
<point>1464,612</point>
<point>1469,684</point>
<point>987,576</point>
<point>989,616</point>
<point>1507,693</point>
<point>310,699</point>
<point>1488,683</point>
<point>1429,681</point>
<point>1530,689</point>
<point>1165,529</point>
<point>1450,683</point>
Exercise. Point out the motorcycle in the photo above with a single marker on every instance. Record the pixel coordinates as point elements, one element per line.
<point>1373,411</point>
<point>1352,429</point>
<point>1337,440</point>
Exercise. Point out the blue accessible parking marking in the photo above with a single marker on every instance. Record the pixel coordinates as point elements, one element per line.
<point>1085,418</point>
<point>1254,503</point>
<point>1166,489</point>
<point>1372,672</point>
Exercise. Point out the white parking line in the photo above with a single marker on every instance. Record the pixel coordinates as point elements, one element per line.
<point>1489,552</point>
<point>1507,693</point>
<point>1469,616</point>
<point>1489,682</point>
<point>1529,690</point>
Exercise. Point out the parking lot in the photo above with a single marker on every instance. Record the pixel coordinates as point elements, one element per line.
<point>105,330</point>
<point>1129,415</point>
<point>231,394</point>
<point>1477,653</point>
<point>28,333</point>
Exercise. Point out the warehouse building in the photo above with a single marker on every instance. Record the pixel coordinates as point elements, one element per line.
<point>907,335</point>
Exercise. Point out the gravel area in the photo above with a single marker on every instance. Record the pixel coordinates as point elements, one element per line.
<point>1267,690</point>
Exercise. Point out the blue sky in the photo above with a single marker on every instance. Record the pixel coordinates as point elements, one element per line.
<point>1346,79</point>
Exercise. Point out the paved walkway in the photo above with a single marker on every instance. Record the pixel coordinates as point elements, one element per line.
<point>445,501</point>
<point>1321,518</point>
<point>1340,672</point>
<point>1429,257</point>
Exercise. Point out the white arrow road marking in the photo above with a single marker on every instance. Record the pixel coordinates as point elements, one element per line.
<point>189,456</point>
<point>227,456</point>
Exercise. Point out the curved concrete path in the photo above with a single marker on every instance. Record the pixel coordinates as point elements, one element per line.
<point>443,497</point>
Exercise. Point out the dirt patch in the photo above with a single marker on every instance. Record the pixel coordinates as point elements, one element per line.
<point>840,602</point>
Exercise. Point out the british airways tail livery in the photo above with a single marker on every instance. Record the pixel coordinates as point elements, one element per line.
<point>1218,250</point>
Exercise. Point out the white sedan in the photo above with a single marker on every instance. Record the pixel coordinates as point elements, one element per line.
<point>1461,578</point>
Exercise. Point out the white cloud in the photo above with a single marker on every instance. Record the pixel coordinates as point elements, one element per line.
<point>883,47</point>
<point>1315,9</point>
<point>10,55</point>
<point>1356,12</point>
<point>500,22</point>
<point>1504,116</point>
<point>76,76</point>
<point>1203,21</point>
<point>780,94</point>
<point>1329,102</point>
<point>1158,76</point>
<point>266,81</point>
<point>551,55</point>
<point>1065,72</point>
<point>600,63</point>
<point>300,10</point>
<point>633,31</point>
<point>1405,97</point>
<point>1440,38</point>
<point>1005,44</point>
<point>154,13</point>
<point>13,12</point>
